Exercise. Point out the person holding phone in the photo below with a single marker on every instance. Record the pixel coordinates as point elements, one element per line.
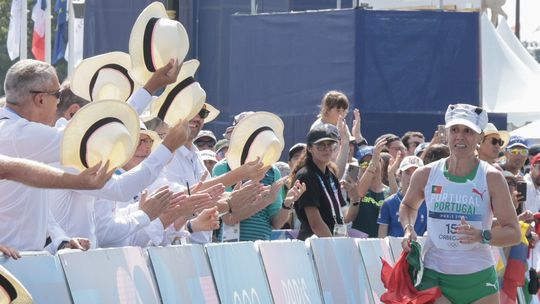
<point>462,194</point>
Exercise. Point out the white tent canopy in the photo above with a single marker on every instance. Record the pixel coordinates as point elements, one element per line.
<point>530,131</point>
<point>510,76</point>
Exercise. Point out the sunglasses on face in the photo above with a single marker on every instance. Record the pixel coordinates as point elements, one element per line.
<point>209,143</point>
<point>332,146</point>
<point>522,152</point>
<point>497,141</point>
<point>56,94</point>
<point>146,141</point>
<point>203,113</point>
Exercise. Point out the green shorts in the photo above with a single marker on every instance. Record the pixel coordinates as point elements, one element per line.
<point>462,288</point>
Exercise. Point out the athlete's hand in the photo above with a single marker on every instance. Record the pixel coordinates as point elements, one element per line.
<point>410,235</point>
<point>467,233</point>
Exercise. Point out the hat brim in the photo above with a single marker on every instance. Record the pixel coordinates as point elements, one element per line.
<point>154,136</point>
<point>139,72</point>
<point>325,139</point>
<point>246,128</point>
<point>465,122</point>
<point>85,118</point>
<point>408,167</point>
<point>213,113</point>
<point>84,73</point>
<point>13,284</point>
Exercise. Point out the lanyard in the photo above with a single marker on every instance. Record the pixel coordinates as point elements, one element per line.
<point>334,190</point>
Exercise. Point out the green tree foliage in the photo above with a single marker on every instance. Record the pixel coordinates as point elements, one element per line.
<point>5,62</point>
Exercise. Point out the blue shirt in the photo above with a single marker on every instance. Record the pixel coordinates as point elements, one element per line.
<point>389,215</point>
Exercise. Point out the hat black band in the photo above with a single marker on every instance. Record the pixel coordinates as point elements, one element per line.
<point>147,44</point>
<point>98,124</point>
<point>172,94</point>
<point>249,141</point>
<point>10,289</point>
<point>113,66</point>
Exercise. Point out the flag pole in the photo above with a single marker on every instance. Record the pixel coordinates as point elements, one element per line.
<point>48,36</point>
<point>24,31</point>
<point>71,38</point>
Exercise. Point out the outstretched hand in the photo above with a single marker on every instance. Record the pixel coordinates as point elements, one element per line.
<point>177,136</point>
<point>163,76</point>
<point>94,177</point>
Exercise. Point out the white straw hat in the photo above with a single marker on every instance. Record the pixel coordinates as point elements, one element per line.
<point>492,129</point>
<point>152,134</point>
<point>12,288</point>
<point>155,39</point>
<point>257,135</point>
<point>100,131</point>
<point>104,77</point>
<point>182,99</point>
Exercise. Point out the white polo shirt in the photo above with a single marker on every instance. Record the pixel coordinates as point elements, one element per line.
<point>188,167</point>
<point>74,209</point>
<point>24,211</point>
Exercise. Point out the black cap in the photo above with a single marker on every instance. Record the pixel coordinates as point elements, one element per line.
<point>534,149</point>
<point>321,133</point>
<point>295,149</point>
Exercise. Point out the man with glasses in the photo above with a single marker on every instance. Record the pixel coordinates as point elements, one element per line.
<point>411,140</point>
<point>532,201</point>
<point>492,144</point>
<point>516,155</point>
<point>205,140</point>
<point>187,168</point>
<point>532,179</point>
<point>32,90</point>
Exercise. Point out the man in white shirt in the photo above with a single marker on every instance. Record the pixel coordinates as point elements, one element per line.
<point>32,91</point>
<point>39,175</point>
<point>121,223</point>
<point>187,168</point>
<point>74,210</point>
<point>532,179</point>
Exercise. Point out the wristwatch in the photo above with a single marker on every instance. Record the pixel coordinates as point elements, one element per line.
<point>486,236</point>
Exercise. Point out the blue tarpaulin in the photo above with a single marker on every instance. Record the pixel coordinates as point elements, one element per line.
<point>401,69</point>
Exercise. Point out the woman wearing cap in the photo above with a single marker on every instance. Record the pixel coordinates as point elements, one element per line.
<point>319,208</point>
<point>462,194</point>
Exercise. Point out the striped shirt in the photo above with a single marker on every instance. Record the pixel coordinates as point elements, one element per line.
<point>259,225</point>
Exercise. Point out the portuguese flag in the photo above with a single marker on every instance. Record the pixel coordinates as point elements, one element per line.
<point>436,189</point>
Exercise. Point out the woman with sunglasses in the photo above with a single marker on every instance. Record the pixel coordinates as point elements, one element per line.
<point>319,207</point>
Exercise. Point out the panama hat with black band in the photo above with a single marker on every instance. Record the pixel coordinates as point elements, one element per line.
<point>154,40</point>
<point>258,135</point>
<point>11,289</point>
<point>105,130</point>
<point>104,77</point>
<point>183,99</point>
